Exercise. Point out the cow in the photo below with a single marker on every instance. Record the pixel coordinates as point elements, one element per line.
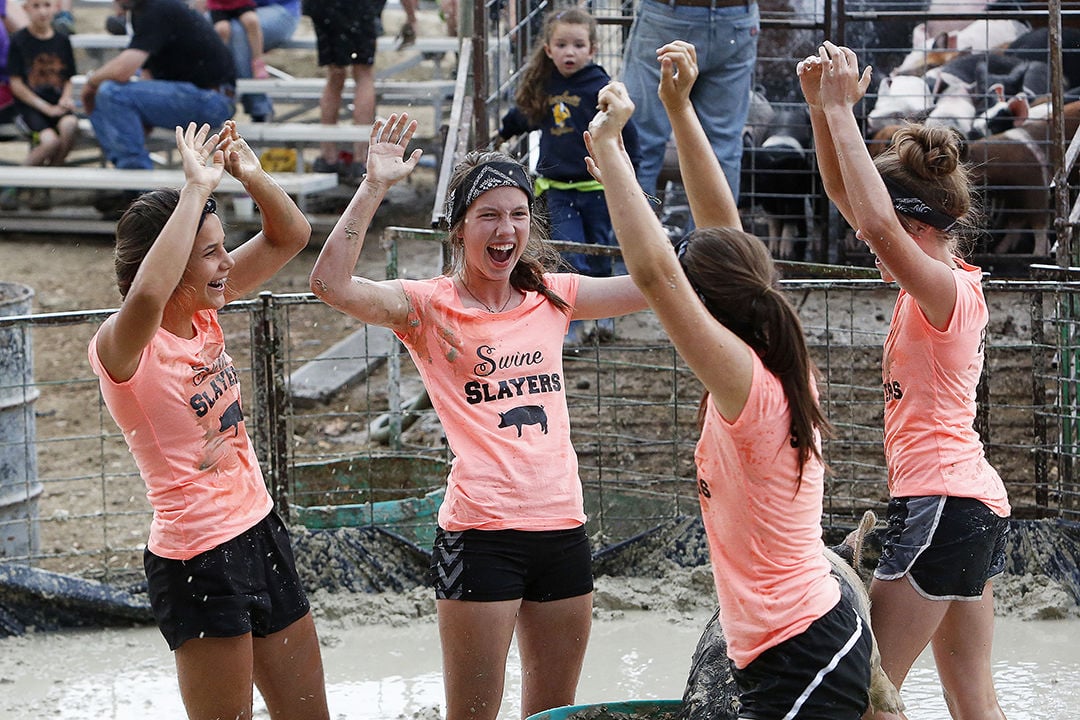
<point>976,37</point>
<point>1014,167</point>
<point>778,178</point>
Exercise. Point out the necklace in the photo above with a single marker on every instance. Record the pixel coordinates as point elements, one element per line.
<point>487,307</point>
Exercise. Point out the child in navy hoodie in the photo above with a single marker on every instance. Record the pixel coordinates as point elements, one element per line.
<point>557,95</point>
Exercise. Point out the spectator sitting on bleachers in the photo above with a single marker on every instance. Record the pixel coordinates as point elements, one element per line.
<point>188,75</point>
<point>41,63</point>
<point>223,12</point>
<point>278,20</point>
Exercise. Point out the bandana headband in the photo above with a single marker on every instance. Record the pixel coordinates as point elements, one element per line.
<point>907,203</point>
<point>483,178</point>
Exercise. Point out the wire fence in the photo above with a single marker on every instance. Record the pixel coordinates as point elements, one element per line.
<point>346,438</point>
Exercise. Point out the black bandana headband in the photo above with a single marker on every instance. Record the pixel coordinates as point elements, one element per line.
<point>908,203</point>
<point>481,179</point>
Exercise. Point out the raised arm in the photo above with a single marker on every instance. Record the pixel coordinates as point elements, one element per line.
<point>711,201</point>
<point>809,72</point>
<point>720,359</point>
<point>927,278</point>
<point>123,336</point>
<point>379,303</point>
<point>285,231</point>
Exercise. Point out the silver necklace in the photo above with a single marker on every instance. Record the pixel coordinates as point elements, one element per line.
<point>487,307</point>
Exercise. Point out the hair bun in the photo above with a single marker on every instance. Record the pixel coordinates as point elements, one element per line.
<point>929,151</point>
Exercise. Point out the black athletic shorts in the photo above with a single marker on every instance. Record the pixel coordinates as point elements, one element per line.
<point>246,585</point>
<point>217,16</point>
<point>345,31</point>
<point>947,546</point>
<point>823,673</point>
<point>493,565</point>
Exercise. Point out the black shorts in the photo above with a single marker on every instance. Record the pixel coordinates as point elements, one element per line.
<point>947,546</point>
<point>345,31</point>
<point>37,121</point>
<point>217,16</point>
<point>494,565</point>
<point>245,585</point>
<point>823,673</point>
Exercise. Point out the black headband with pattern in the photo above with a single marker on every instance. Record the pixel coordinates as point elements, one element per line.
<point>910,204</point>
<point>481,179</point>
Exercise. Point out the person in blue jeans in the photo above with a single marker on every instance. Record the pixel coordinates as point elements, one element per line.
<point>557,95</point>
<point>279,19</point>
<point>186,75</point>
<point>725,33</point>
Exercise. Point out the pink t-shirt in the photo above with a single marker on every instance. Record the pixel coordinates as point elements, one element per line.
<point>765,544</point>
<point>181,416</point>
<point>496,381</point>
<point>929,377</point>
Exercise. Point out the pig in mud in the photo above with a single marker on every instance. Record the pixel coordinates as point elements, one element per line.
<point>524,415</point>
<point>711,693</point>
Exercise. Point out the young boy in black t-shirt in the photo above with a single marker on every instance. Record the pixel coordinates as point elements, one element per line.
<point>41,63</point>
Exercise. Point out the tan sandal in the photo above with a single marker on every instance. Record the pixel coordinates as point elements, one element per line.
<point>406,37</point>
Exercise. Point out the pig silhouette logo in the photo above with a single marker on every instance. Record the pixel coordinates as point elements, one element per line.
<point>524,415</point>
<point>231,418</point>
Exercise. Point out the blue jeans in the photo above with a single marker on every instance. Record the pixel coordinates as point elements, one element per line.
<point>726,42</point>
<point>122,111</point>
<point>581,217</point>
<point>278,23</point>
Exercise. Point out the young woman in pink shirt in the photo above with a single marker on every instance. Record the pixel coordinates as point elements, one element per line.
<point>511,555</point>
<point>948,513</point>
<point>220,571</point>
<point>798,649</point>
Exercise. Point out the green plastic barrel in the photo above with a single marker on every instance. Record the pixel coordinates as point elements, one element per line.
<point>615,710</point>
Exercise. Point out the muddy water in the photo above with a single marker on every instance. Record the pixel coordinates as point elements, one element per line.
<point>383,671</point>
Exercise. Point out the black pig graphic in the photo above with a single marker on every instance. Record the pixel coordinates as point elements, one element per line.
<point>524,415</point>
<point>231,418</point>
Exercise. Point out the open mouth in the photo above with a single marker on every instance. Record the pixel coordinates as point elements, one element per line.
<point>501,253</point>
<point>217,284</point>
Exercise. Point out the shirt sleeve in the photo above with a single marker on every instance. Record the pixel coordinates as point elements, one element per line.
<point>514,123</point>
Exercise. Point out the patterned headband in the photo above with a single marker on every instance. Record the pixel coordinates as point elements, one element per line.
<point>908,203</point>
<point>483,178</point>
